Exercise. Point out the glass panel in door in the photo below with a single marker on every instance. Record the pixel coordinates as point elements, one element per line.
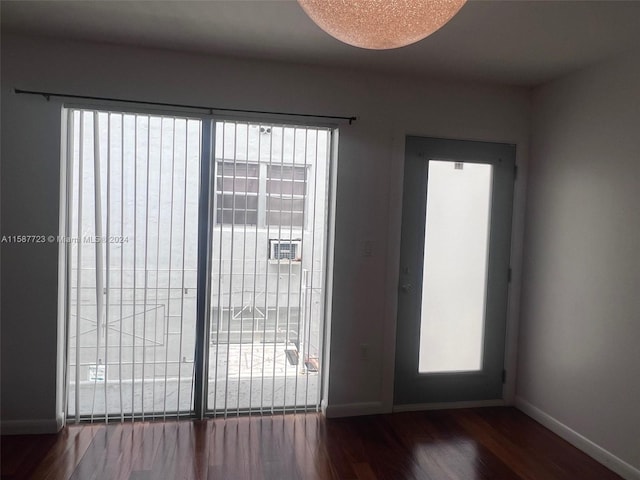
<point>455,267</point>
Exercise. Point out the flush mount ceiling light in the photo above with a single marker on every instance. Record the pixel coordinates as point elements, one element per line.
<point>380,24</point>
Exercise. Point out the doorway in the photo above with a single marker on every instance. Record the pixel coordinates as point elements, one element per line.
<point>454,271</point>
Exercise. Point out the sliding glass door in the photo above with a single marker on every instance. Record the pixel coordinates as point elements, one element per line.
<point>195,255</point>
<point>268,263</point>
<point>132,245</point>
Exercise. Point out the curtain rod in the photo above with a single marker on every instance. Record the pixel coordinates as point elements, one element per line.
<point>48,95</point>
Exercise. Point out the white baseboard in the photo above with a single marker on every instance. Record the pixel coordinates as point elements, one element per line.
<point>30,427</point>
<point>415,407</point>
<point>619,466</point>
<point>354,409</point>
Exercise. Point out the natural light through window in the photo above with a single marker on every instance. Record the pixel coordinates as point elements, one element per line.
<point>455,266</point>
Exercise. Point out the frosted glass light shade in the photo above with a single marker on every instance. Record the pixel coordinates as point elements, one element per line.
<point>380,24</point>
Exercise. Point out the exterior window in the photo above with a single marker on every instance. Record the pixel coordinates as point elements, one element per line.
<point>237,193</point>
<point>286,189</point>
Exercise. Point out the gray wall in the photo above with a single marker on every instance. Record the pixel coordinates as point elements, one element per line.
<point>369,188</point>
<point>579,354</point>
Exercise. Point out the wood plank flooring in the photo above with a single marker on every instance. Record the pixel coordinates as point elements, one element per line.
<point>470,444</point>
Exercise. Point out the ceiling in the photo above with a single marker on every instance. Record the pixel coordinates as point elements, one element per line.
<point>516,42</point>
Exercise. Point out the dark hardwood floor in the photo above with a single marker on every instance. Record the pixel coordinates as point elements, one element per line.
<point>473,444</point>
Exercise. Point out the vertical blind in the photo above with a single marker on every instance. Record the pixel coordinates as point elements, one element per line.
<point>132,252</point>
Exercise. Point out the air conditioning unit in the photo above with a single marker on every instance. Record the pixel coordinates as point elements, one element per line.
<point>285,251</point>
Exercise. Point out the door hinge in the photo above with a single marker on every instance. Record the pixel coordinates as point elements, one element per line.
<point>504,376</point>
<point>509,273</point>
